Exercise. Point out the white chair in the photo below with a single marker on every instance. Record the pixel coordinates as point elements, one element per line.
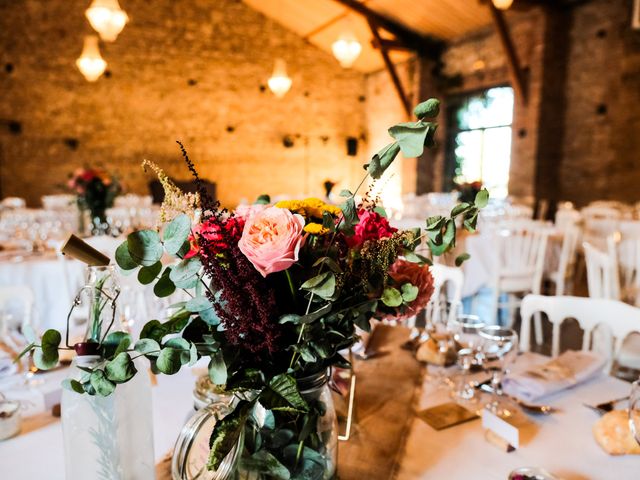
<point>447,282</point>
<point>602,273</point>
<point>16,311</point>
<point>521,253</point>
<point>606,325</point>
<point>564,275</point>
<point>625,255</point>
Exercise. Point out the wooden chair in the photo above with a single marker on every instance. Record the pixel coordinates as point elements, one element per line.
<point>606,324</point>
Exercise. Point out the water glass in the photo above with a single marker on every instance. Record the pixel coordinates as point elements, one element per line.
<point>466,333</point>
<point>499,349</point>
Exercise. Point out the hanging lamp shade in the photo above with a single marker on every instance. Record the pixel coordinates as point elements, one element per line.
<point>90,63</point>
<point>107,18</point>
<point>279,82</point>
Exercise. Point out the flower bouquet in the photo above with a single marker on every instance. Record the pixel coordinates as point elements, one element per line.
<point>275,293</point>
<point>467,191</point>
<point>95,190</point>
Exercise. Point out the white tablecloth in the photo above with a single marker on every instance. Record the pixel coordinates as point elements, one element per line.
<point>53,283</point>
<point>563,443</point>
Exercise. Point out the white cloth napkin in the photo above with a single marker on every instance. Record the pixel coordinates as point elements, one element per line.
<point>7,365</point>
<point>565,371</point>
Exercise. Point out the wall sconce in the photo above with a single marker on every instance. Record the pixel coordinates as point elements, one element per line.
<point>502,4</point>
<point>280,82</point>
<point>346,49</point>
<point>90,63</point>
<point>107,18</point>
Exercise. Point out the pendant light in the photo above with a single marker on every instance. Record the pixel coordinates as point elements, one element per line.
<point>280,82</point>
<point>90,63</point>
<point>346,49</point>
<point>502,4</point>
<point>107,18</point>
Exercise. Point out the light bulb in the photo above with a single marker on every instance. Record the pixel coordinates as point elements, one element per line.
<point>90,63</point>
<point>279,82</point>
<point>502,4</point>
<point>107,18</point>
<point>346,49</point>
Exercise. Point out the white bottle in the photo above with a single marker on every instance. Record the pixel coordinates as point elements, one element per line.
<point>108,438</point>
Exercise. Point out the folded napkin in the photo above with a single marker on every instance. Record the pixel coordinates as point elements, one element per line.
<point>565,371</point>
<point>7,365</point>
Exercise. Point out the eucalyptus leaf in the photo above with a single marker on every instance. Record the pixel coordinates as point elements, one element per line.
<point>290,318</point>
<point>218,369</point>
<point>263,199</point>
<point>381,160</point>
<point>410,137</point>
<point>176,233</point>
<point>428,109</point>
<point>169,361</point>
<point>121,369</point>
<point>329,262</point>
<point>198,304</point>
<point>322,285</point>
<point>147,346</point>
<point>460,209</point>
<point>380,211</point>
<point>286,387</point>
<point>101,384</point>
<point>349,213</point>
<point>409,292</point>
<point>391,297</point>
<point>46,357</point>
<point>72,385</point>
<point>154,330</point>
<point>164,286</point>
<point>264,463</point>
<point>482,198</point>
<point>185,273</point>
<point>145,247</point>
<point>123,257</point>
<point>146,275</point>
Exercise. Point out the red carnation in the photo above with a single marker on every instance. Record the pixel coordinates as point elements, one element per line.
<point>372,226</point>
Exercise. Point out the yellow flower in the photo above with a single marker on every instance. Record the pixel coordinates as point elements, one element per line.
<point>315,229</point>
<point>309,207</point>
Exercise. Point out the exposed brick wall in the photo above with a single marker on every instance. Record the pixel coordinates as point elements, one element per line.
<point>578,138</point>
<point>193,70</point>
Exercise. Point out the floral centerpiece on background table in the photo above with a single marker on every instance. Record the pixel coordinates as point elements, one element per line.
<point>95,191</point>
<point>276,292</point>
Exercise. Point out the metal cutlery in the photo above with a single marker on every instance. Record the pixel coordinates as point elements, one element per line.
<point>606,407</point>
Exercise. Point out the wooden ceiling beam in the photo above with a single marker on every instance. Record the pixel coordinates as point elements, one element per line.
<point>391,68</point>
<point>427,46</point>
<point>516,73</point>
<point>391,45</point>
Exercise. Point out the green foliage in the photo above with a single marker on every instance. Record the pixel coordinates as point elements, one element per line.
<point>121,369</point>
<point>226,433</point>
<point>123,257</point>
<point>147,275</point>
<point>349,214</point>
<point>263,200</point>
<point>185,273</point>
<point>164,286</point>
<point>391,297</point>
<point>265,463</point>
<point>411,137</point>
<point>218,369</point>
<point>322,285</point>
<point>176,233</point>
<point>409,292</point>
<point>283,393</point>
<point>169,361</point>
<point>428,109</point>
<point>101,384</point>
<point>46,357</point>
<point>145,247</point>
<point>382,160</point>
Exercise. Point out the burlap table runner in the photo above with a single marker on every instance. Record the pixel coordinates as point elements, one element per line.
<point>384,408</point>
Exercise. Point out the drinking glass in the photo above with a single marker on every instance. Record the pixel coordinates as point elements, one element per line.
<point>634,410</point>
<point>499,348</point>
<point>466,333</point>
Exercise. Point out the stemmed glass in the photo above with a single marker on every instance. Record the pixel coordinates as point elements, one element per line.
<point>466,332</point>
<point>634,410</point>
<point>499,348</point>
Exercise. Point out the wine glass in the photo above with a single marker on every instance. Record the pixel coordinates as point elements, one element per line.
<point>499,348</point>
<point>466,333</point>
<point>634,410</point>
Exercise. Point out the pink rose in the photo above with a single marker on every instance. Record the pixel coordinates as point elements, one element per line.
<point>372,226</point>
<point>419,276</point>
<point>244,212</point>
<point>271,239</point>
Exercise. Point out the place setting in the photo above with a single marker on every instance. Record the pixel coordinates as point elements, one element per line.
<point>319,240</point>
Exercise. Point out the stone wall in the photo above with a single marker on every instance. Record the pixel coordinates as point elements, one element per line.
<point>193,70</point>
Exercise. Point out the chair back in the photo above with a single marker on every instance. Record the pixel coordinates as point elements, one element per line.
<point>625,252</point>
<point>568,252</point>
<point>606,323</point>
<point>447,283</point>
<point>602,273</point>
<point>521,249</point>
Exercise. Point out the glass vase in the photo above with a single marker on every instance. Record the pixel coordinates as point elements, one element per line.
<point>108,438</point>
<point>101,290</point>
<point>99,224</point>
<point>266,434</point>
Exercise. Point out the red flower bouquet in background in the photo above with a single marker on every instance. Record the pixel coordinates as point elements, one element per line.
<point>95,190</point>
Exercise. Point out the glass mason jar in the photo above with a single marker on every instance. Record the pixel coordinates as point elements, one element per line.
<point>315,459</point>
<point>101,290</point>
<point>108,438</point>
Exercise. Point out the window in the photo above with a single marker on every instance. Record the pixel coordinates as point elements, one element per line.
<point>479,140</point>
